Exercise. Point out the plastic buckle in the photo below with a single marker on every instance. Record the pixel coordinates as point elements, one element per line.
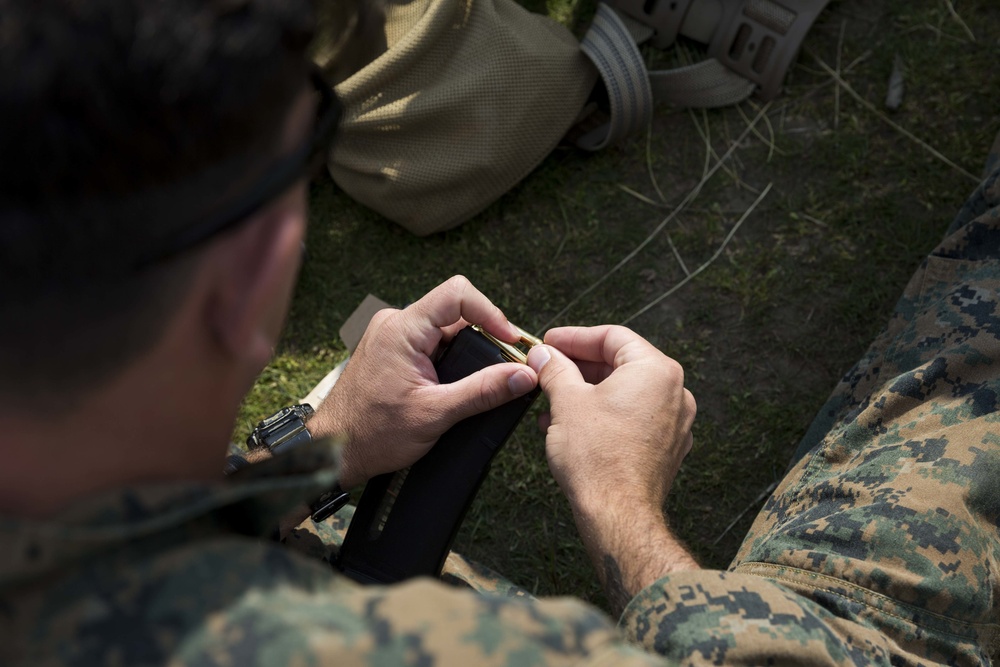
<point>759,39</point>
<point>663,16</point>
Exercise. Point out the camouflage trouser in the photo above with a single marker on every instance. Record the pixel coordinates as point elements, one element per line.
<point>890,514</point>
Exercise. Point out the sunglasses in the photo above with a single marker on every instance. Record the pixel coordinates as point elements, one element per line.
<point>308,159</point>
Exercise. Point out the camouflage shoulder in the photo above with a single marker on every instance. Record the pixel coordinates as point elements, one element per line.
<point>422,622</point>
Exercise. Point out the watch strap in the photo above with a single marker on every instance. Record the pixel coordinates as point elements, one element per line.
<point>328,503</point>
<point>285,430</point>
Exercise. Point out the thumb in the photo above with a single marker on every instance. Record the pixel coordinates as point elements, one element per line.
<point>556,372</point>
<point>483,390</point>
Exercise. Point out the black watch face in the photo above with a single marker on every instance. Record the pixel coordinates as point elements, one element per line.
<point>284,429</point>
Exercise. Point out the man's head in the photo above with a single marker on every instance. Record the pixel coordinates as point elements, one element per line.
<point>124,126</point>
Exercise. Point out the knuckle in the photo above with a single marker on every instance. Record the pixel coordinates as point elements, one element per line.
<point>672,370</point>
<point>379,318</point>
<point>690,403</point>
<point>386,325</point>
<point>619,330</point>
<point>458,284</point>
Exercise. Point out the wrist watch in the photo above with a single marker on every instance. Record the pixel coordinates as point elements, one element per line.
<point>286,430</point>
<point>282,431</point>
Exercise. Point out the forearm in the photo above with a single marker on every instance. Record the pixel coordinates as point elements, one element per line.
<point>630,547</point>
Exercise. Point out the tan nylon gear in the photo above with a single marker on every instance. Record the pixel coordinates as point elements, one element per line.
<point>468,98</point>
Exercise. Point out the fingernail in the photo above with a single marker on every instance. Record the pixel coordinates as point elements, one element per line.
<point>520,383</point>
<point>513,330</point>
<point>538,357</point>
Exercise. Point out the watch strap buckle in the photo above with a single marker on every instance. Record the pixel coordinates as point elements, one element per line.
<point>328,503</point>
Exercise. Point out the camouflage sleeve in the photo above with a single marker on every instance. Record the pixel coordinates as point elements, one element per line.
<point>418,623</point>
<point>694,617</point>
<point>713,617</point>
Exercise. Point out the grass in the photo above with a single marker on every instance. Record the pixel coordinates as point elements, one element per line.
<point>764,333</point>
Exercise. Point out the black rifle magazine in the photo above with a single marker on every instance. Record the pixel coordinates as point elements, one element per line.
<point>406,521</point>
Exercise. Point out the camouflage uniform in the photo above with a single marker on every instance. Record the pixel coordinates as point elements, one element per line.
<point>181,574</point>
<point>882,543</point>
<point>880,546</point>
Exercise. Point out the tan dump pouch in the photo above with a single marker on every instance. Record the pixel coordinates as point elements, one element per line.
<point>467,98</point>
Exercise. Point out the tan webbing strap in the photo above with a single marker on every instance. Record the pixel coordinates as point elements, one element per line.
<point>611,43</point>
<point>707,84</point>
<point>614,52</point>
<point>751,44</point>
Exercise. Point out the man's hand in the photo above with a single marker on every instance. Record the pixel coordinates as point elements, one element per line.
<point>619,427</point>
<point>389,402</point>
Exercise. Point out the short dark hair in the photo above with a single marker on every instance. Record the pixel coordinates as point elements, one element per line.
<point>107,107</point>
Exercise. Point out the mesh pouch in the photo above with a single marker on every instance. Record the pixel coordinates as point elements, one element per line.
<point>464,100</point>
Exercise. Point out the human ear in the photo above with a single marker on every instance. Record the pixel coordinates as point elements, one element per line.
<point>253,275</point>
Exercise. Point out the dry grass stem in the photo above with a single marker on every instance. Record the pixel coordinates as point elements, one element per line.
<point>711,260</point>
<point>706,137</point>
<point>958,19</point>
<point>937,31</point>
<point>649,160</point>
<point>857,61</point>
<point>666,221</point>
<point>836,91</point>
<point>770,132</point>
<point>763,494</point>
<point>641,197</point>
<point>769,139</point>
<point>815,221</point>
<point>818,72</point>
<point>680,260</point>
<point>707,143</point>
<point>799,99</point>
<point>899,128</point>
<point>566,227</point>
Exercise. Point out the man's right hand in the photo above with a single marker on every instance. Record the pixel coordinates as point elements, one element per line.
<point>620,423</point>
<point>618,430</point>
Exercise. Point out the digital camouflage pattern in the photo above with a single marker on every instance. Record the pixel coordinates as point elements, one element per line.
<point>892,517</point>
<point>881,546</point>
<point>185,575</point>
<point>882,543</point>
